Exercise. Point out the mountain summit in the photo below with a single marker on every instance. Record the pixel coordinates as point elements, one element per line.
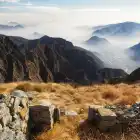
<point>97,41</point>
<point>119,29</point>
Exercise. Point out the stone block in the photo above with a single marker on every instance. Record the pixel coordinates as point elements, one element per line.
<point>106,125</point>
<point>43,117</point>
<point>106,114</point>
<point>93,113</point>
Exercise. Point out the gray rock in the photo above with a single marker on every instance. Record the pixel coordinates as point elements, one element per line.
<point>15,125</point>
<point>43,116</point>
<point>1,127</point>
<point>20,136</point>
<point>7,134</point>
<point>93,109</point>
<point>19,93</point>
<point>5,116</point>
<point>16,104</point>
<point>71,113</point>
<point>14,114</point>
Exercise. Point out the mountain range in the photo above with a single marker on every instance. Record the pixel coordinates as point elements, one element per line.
<point>46,59</point>
<point>11,26</point>
<point>124,29</point>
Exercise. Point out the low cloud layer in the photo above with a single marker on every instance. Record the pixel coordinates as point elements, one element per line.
<point>73,24</point>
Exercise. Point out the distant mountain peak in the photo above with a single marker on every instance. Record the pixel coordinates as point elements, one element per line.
<point>119,29</point>
<point>95,40</point>
<point>11,26</point>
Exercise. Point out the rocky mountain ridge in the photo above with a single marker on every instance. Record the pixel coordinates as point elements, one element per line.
<point>46,59</point>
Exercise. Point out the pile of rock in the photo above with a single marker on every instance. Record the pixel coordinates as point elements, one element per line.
<point>14,116</point>
<point>113,118</point>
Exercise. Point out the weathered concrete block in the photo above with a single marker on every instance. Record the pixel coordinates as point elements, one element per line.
<point>106,114</point>
<point>103,118</point>
<point>93,112</point>
<point>43,117</point>
<point>106,125</point>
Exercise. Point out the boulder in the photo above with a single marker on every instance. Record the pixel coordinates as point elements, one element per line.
<point>92,111</point>
<point>19,93</point>
<point>103,118</point>
<point>14,115</point>
<point>43,116</point>
<point>106,114</point>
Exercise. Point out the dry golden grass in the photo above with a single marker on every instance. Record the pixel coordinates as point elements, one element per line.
<point>73,129</point>
<point>77,98</point>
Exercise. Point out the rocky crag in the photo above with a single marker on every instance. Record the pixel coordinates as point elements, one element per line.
<point>14,115</point>
<point>46,59</point>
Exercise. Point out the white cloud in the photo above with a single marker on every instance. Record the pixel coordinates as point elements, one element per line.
<point>12,1</point>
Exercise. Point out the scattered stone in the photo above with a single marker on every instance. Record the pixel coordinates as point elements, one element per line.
<point>71,113</point>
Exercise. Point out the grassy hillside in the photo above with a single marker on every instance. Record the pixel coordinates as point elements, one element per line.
<point>78,98</point>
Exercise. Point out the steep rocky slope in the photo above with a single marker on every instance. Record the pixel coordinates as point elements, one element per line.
<point>46,59</point>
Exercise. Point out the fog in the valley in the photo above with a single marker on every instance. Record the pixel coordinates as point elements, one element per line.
<point>76,25</point>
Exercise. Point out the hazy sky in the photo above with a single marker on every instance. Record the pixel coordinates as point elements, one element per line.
<point>53,16</point>
<point>98,3</point>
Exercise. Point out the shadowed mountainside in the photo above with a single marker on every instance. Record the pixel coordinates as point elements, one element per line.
<point>46,59</point>
<point>134,52</point>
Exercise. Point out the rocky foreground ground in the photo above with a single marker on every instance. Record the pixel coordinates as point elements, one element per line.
<point>74,108</point>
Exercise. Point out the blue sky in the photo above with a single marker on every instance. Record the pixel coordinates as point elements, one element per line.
<point>96,3</point>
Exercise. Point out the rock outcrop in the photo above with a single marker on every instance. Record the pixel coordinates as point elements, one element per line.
<point>46,59</point>
<point>14,114</point>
